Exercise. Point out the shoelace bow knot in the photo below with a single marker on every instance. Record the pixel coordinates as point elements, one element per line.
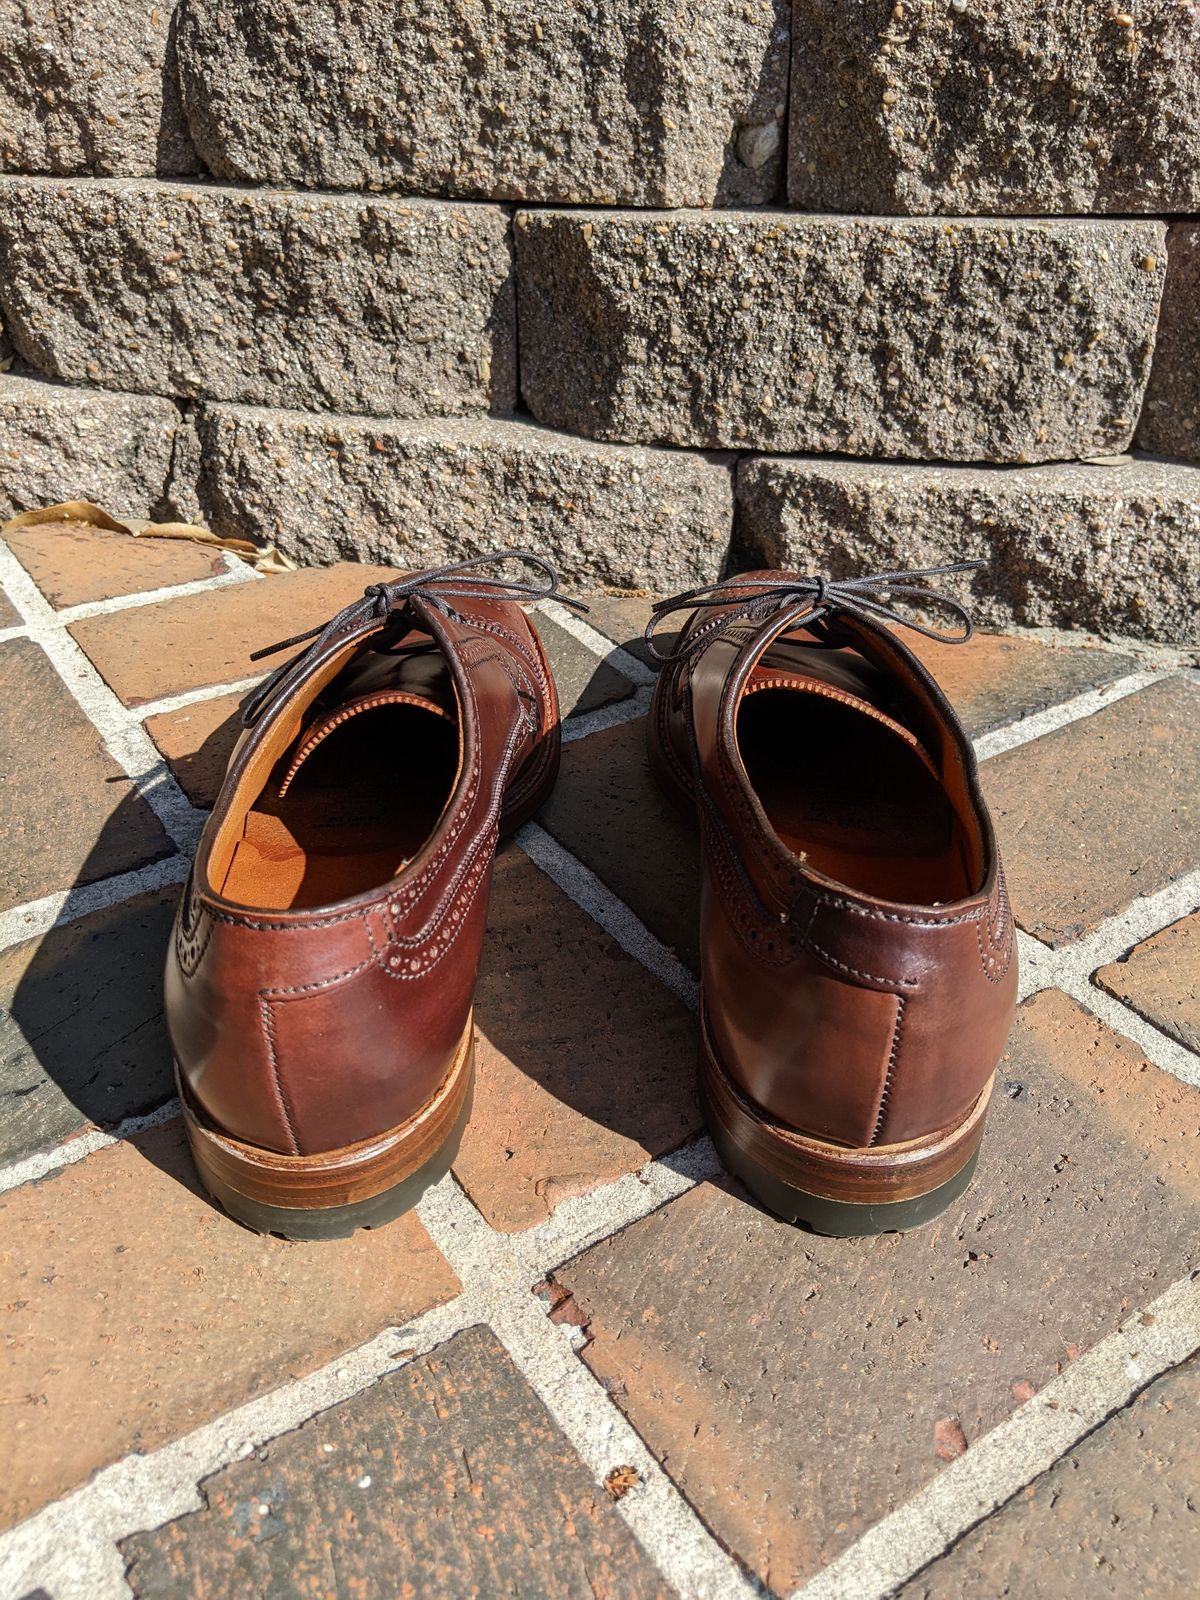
<point>809,598</point>
<point>438,587</point>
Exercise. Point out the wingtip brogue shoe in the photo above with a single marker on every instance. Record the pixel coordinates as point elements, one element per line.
<point>858,960</point>
<point>321,974</point>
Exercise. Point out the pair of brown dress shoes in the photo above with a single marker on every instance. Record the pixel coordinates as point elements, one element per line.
<point>859,971</point>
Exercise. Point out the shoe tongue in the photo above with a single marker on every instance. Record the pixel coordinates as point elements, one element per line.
<point>320,729</point>
<point>837,686</point>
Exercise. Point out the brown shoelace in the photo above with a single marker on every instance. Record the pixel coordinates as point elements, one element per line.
<point>811,598</point>
<point>438,587</point>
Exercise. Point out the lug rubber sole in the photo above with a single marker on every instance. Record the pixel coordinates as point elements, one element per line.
<point>834,1189</point>
<point>333,1193</point>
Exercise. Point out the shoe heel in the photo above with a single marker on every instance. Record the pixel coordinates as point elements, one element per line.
<point>331,1195</point>
<point>829,1188</point>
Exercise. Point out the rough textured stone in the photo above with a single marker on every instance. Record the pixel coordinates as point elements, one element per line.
<point>200,639</point>
<point>135,1310</point>
<point>768,330</point>
<point>1171,414</point>
<point>792,1385</point>
<point>1116,1517</point>
<point>448,1478</point>
<point>1100,811</point>
<point>1160,978</point>
<point>631,102</point>
<point>70,815</point>
<point>10,617</point>
<point>1113,549</point>
<point>59,443</point>
<point>82,1038</point>
<point>1072,107</point>
<point>419,493</point>
<point>73,562</point>
<point>92,87</point>
<point>338,302</point>
<point>586,1064</point>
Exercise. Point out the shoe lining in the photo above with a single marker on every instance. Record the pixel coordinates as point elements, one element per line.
<point>358,807</point>
<point>853,797</point>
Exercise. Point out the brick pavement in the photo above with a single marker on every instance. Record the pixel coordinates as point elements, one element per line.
<point>197,1410</point>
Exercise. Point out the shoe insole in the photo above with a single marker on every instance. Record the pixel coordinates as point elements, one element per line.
<point>361,803</point>
<point>852,796</point>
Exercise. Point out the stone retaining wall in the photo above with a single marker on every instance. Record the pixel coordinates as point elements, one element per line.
<point>400,281</point>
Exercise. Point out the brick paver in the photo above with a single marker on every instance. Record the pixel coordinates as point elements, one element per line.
<point>586,1064</point>
<point>623,618</point>
<point>82,1038</point>
<point>69,813</point>
<point>197,741</point>
<point>136,1310</point>
<point>994,680</point>
<point>448,1478</point>
<point>1117,1516</point>
<point>793,1385</point>
<point>796,1388</point>
<point>583,682</point>
<point>72,563</point>
<point>151,651</point>
<point>1161,980</point>
<point>1100,811</point>
<point>608,810</point>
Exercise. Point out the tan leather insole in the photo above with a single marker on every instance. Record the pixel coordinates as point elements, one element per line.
<point>358,807</point>
<point>852,797</point>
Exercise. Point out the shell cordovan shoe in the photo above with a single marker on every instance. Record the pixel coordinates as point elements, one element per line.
<point>859,968</point>
<point>321,973</point>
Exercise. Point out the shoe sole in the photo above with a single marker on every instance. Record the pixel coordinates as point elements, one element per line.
<point>836,1189</point>
<point>330,1195</point>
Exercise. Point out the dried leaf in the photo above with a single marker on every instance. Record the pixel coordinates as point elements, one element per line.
<point>263,558</point>
<point>620,1480</point>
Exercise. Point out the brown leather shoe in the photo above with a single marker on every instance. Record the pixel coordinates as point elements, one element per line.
<point>859,970</point>
<point>321,974</point>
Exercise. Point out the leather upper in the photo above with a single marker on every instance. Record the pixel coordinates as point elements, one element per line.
<point>848,1017</point>
<point>307,1030</point>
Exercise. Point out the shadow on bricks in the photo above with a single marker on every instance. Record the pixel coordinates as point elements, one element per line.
<point>83,1040</point>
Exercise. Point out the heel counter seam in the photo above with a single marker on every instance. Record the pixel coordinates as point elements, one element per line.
<point>281,1099</point>
<point>885,1093</point>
